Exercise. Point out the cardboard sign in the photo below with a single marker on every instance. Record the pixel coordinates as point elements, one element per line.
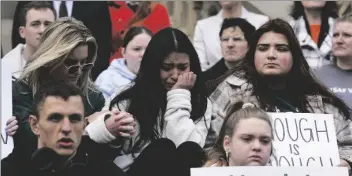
<point>6,107</point>
<point>269,171</point>
<point>304,139</point>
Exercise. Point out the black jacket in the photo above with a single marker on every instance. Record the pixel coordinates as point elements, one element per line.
<point>95,15</point>
<point>91,159</point>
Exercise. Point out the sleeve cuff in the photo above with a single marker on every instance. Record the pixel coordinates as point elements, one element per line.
<point>184,92</point>
<point>98,132</point>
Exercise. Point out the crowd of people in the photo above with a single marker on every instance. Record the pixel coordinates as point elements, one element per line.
<point>133,96</point>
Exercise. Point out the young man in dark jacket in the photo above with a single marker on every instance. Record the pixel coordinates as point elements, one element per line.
<point>58,122</point>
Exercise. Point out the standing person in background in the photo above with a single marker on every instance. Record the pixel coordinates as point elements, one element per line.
<point>313,21</point>
<point>33,19</point>
<point>123,70</point>
<point>235,35</point>
<point>94,14</point>
<point>125,14</point>
<point>206,35</point>
<point>338,76</point>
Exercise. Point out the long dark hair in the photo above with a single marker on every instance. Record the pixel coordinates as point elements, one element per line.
<point>147,95</point>
<point>330,9</point>
<point>300,73</point>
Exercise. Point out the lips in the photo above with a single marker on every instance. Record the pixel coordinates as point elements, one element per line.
<point>339,48</point>
<point>256,158</point>
<point>66,142</point>
<point>271,65</point>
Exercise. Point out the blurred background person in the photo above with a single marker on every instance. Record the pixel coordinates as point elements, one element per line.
<point>206,34</point>
<point>34,17</point>
<point>234,36</point>
<point>123,70</point>
<point>126,14</point>
<point>338,76</point>
<point>313,22</point>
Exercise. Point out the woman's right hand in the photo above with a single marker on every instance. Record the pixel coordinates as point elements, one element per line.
<point>11,126</point>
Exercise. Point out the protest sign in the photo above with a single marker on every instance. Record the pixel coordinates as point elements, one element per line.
<point>6,107</point>
<point>304,139</point>
<point>269,171</point>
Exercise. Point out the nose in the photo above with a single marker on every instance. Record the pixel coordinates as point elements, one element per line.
<point>257,146</point>
<point>230,43</point>
<point>174,74</point>
<point>141,53</point>
<point>338,39</point>
<point>41,29</point>
<point>66,126</point>
<point>271,54</point>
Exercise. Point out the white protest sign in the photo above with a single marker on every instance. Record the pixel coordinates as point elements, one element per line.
<point>6,107</point>
<point>269,171</point>
<point>304,139</point>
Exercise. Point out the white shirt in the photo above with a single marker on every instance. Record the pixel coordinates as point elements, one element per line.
<point>206,39</point>
<point>16,60</point>
<point>69,6</point>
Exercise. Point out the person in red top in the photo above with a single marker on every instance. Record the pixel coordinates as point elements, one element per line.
<point>125,14</point>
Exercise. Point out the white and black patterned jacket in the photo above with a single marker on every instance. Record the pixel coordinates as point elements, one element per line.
<point>316,56</point>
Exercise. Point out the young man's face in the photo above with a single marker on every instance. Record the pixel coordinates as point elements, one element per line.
<point>60,124</point>
<point>36,22</point>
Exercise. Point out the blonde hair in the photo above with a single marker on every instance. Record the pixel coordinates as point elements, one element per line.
<point>56,43</point>
<point>240,111</point>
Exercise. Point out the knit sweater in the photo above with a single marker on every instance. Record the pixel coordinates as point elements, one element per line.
<point>178,126</point>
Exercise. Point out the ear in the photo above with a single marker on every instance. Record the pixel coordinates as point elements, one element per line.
<point>123,50</point>
<point>34,123</point>
<point>226,143</point>
<point>22,32</point>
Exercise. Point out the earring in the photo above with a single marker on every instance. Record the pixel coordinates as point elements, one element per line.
<point>227,156</point>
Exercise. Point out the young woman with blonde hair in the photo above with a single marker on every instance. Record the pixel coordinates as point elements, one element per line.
<point>66,52</point>
<point>245,138</point>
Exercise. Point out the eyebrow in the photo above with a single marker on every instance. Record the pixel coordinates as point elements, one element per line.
<point>61,115</point>
<point>182,63</point>
<point>75,115</point>
<point>251,135</point>
<point>36,21</point>
<point>267,44</point>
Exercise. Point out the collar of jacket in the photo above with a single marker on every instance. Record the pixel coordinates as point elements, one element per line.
<point>45,159</point>
<point>303,34</point>
<point>235,80</point>
<point>244,14</point>
<point>315,102</point>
